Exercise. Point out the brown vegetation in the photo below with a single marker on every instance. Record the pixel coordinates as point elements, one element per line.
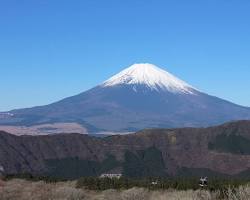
<point>17,189</point>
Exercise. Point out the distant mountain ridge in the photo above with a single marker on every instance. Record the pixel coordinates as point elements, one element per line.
<point>216,151</point>
<point>141,96</point>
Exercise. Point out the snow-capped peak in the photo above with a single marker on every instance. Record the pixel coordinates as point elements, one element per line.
<point>150,75</point>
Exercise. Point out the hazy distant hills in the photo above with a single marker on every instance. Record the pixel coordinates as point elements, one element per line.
<point>141,96</point>
<point>217,151</point>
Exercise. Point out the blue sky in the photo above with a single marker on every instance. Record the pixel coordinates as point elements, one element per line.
<point>51,49</point>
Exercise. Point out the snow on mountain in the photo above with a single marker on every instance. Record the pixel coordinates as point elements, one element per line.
<point>141,96</point>
<point>150,75</point>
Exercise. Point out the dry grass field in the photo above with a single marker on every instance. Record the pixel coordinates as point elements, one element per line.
<point>17,189</point>
<point>45,129</point>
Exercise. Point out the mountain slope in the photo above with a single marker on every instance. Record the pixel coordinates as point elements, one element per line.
<point>151,152</point>
<point>141,96</point>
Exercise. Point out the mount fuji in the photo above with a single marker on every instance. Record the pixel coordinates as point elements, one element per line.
<point>141,96</point>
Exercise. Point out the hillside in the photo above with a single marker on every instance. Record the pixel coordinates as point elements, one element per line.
<point>216,151</point>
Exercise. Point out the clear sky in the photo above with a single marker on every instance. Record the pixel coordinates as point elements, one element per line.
<point>51,49</point>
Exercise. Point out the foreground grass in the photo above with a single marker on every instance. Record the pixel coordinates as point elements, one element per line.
<point>17,189</point>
